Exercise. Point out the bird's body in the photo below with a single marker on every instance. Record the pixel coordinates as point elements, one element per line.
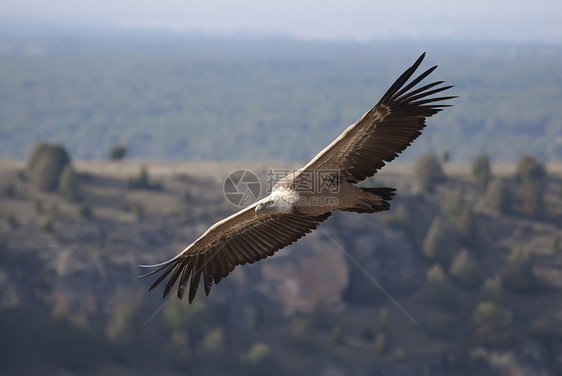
<point>300,201</point>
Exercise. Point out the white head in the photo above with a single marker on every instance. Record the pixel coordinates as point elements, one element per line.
<point>279,201</point>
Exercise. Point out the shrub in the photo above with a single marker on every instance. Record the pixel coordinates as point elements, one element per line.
<point>492,322</point>
<point>46,163</point>
<point>441,294</point>
<point>428,172</point>
<point>464,270</point>
<point>399,217</point>
<point>528,168</point>
<point>381,342</point>
<point>481,172</point>
<point>69,184</point>
<point>214,340</point>
<point>36,154</point>
<point>532,197</point>
<point>85,210</point>
<point>499,197</point>
<point>438,241</point>
<point>452,204</point>
<point>517,274</point>
<point>117,152</point>
<point>465,224</point>
<point>492,288</point>
<point>142,181</point>
<point>48,224</point>
<point>435,273</point>
<point>119,328</point>
<point>259,360</point>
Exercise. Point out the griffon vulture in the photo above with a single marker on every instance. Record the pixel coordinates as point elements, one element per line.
<point>300,201</point>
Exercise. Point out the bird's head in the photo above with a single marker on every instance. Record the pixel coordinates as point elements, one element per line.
<point>278,202</point>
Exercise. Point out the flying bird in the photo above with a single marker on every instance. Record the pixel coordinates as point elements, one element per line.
<point>303,199</point>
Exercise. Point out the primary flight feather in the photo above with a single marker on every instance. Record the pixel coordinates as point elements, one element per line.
<point>293,209</point>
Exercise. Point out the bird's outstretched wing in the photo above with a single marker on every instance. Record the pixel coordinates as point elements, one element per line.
<point>244,237</point>
<point>385,130</point>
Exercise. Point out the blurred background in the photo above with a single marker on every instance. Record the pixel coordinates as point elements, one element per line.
<point>119,122</point>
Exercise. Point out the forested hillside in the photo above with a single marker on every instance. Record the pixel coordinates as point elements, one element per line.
<point>189,98</point>
<point>470,254</point>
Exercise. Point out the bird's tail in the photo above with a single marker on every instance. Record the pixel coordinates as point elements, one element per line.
<point>373,200</point>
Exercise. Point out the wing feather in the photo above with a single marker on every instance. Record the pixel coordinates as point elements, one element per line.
<point>244,237</point>
<point>385,130</point>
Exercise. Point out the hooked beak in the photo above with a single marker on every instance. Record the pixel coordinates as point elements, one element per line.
<point>259,208</point>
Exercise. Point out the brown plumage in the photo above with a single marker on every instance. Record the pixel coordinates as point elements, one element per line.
<point>286,214</point>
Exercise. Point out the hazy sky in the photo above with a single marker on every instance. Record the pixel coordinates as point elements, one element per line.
<point>317,19</point>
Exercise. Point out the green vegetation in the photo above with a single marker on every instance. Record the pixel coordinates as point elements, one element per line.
<point>119,328</point>
<point>481,172</point>
<point>452,204</point>
<point>48,224</point>
<point>529,169</point>
<point>428,172</point>
<point>142,181</point>
<point>492,322</point>
<point>464,269</point>
<point>214,340</point>
<point>46,163</point>
<point>531,174</point>
<point>97,98</point>
<point>499,197</point>
<point>532,192</point>
<point>69,184</point>
<point>438,241</point>
<point>117,152</point>
<point>381,343</point>
<point>518,275</point>
<point>463,287</point>
<point>85,210</point>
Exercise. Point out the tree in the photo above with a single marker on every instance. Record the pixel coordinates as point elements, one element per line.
<point>46,163</point>
<point>518,275</point>
<point>117,152</point>
<point>428,172</point>
<point>381,342</point>
<point>464,270</point>
<point>438,241</point>
<point>532,196</point>
<point>465,224</point>
<point>119,328</point>
<point>492,322</point>
<point>531,174</point>
<point>441,294</point>
<point>141,181</point>
<point>69,184</point>
<point>452,204</point>
<point>481,172</point>
<point>528,168</point>
<point>36,154</point>
<point>499,197</point>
